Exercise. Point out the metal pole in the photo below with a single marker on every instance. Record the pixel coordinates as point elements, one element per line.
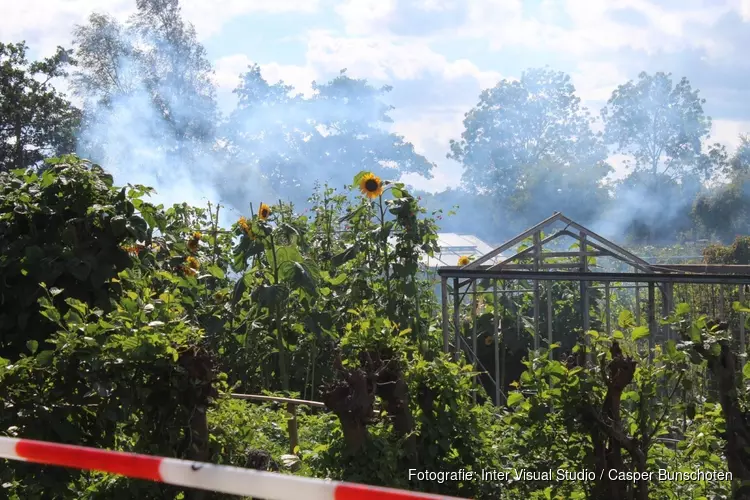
<point>474,331</point>
<point>456,319</point>
<point>496,325</point>
<point>607,308</point>
<point>446,320</point>
<point>651,316</point>
<point>537,299</point>
<point>742,326</point>
<point>637,304</point>
<point>549,318</point>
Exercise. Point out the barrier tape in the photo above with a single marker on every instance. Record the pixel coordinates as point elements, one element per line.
<point>200,475</point>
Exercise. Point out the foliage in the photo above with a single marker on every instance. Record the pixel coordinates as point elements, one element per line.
<point>35,119</point>
<point>152,63</point>
<point>64,227</point>
<point>532,139</point>
<point>293,141</point>
<point>661,125</point>
<point>738,253</point>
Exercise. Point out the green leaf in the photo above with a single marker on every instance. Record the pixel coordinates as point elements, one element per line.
<point>119,226</point>
<point>715,349</point>
<point>284,254</point>
<point>682,309</point>
<point>640,332</point>
<point>215,271</point>
<point>671,348</point>
<point>625,319</point>
<point>269,295</point>
<point>514,398</point>
<point>300,275</point>
<point>32,346</point>
<point>695,333</point>
<point>44,358</point>
<point>345,256</point>
<point>746,371</point>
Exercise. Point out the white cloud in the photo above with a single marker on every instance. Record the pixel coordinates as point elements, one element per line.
<point>430,132</point>
<point>44,24</point>
<point>387,58</point>
<point>595,81</point>
<point>363,17</point>
<point>728,132</point>
<point>209,17</point>
<point>744,9</point>
<point>593,29</point>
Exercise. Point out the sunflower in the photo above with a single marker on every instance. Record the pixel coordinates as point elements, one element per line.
<point>245,226</point>
<point>371,185</point>
<point>264,211</point>
<point>134,250</point>
<point>193,263</point>
<point>193,242</point>
<point>463,260</point>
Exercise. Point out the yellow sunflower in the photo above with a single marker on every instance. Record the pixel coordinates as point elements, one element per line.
<point>193,263</point>
<point>264,211</point>
<point>134,250</point>
<point>246,227</point>
<point>371,185</point>
<point>193,242</point>
<point>463,260</point>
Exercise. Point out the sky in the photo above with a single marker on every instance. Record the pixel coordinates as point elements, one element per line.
<point>439,54</point>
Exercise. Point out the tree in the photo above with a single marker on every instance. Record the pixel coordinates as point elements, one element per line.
<point>35,119</point>
<point>724,211</point>
<point>296,141</point>
<point>661,126</point>
<point>531,133</point>
<point>147,86</point>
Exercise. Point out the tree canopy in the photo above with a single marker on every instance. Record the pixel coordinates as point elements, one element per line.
<point>36,120</point>
<point>660,125</point>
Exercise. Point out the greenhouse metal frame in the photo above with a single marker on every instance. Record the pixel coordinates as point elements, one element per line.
<point>532,264</point>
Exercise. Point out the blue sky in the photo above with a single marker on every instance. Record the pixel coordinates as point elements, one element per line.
<point>439,54</point>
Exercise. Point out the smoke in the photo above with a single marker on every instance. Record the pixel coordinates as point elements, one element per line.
<point>158,125</point>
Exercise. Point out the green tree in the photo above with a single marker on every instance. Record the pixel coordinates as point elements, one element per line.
<point>724,211</point>
<point>35,119</point>
<point>525,137</point>
<point>149,79</point>
<point>661,126</point>
<point>296,141</point>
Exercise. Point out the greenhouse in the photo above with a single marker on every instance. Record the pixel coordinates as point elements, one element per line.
<point>530,285</point>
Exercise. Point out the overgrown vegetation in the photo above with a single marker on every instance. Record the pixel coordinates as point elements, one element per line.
<point>146,318</point>
<point>127,324</point>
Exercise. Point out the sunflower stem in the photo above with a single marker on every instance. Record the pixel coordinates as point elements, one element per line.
<point>385,258</point>
<point>277,317</point>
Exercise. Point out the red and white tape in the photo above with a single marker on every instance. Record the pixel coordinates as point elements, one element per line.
<point>200,475</point>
